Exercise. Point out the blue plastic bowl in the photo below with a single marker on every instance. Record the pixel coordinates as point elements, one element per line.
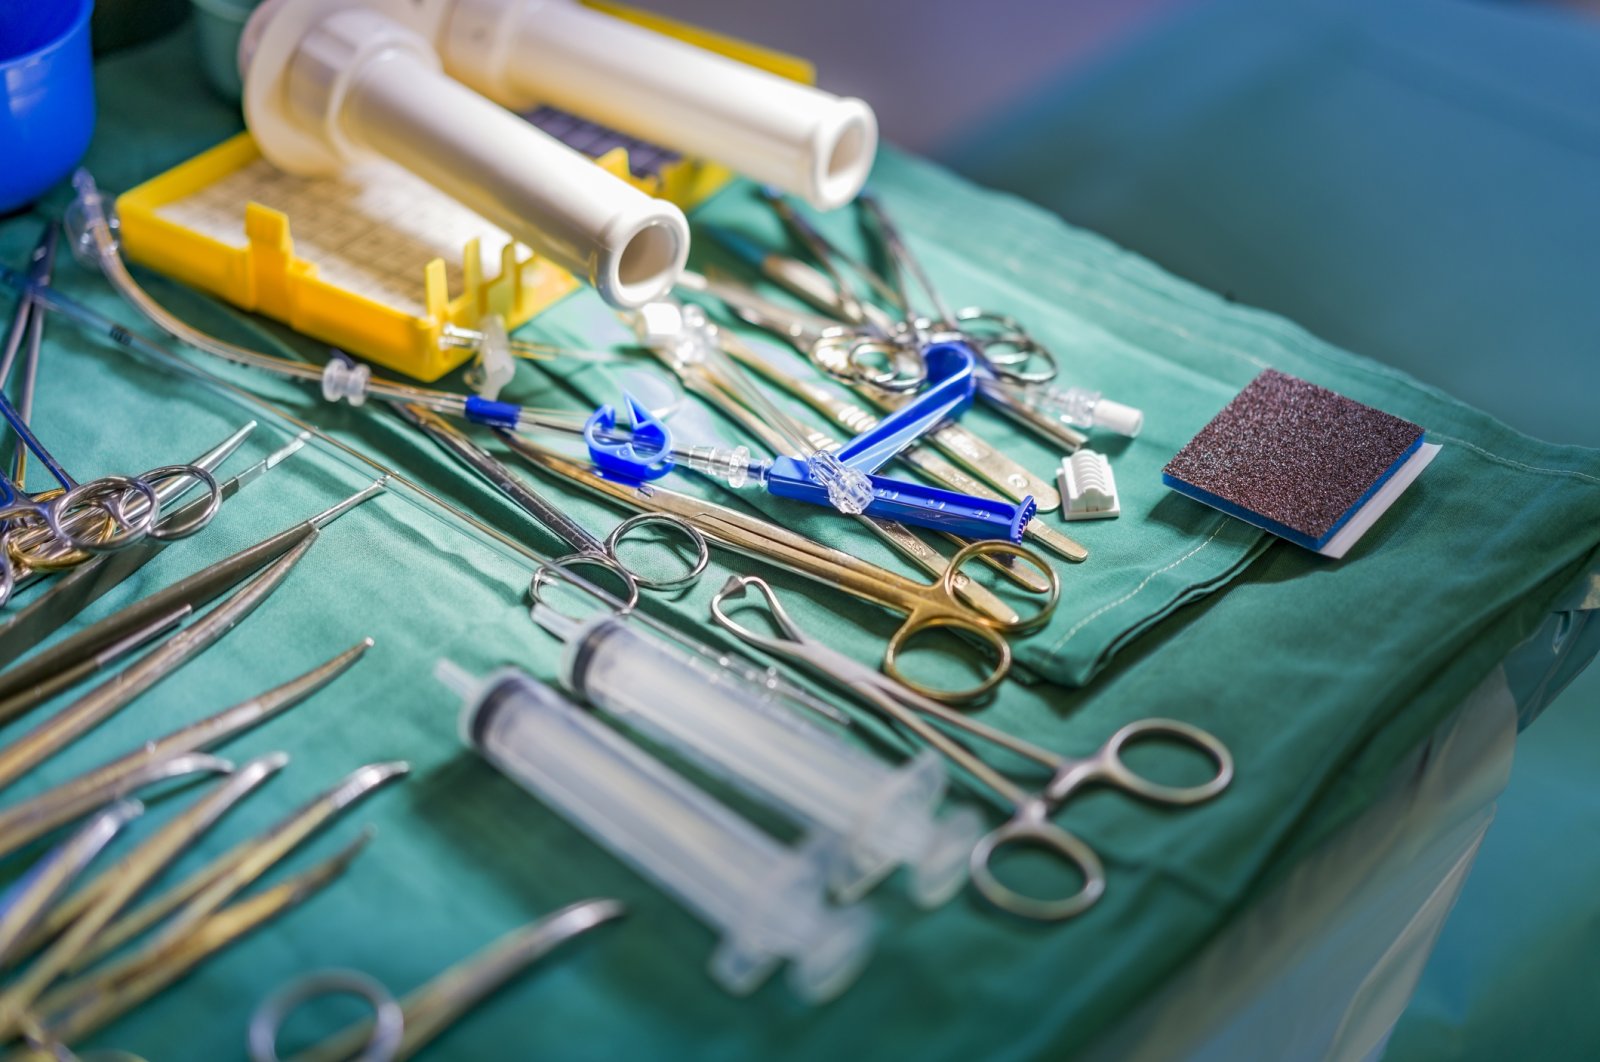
<point>46,95</point>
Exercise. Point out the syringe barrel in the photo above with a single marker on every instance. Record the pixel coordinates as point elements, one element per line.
<point>521,52</point>
<point>876,815</point>
<point>352,83</point>
<point>764,898</point>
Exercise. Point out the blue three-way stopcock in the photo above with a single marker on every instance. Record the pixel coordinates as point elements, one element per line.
<point>952,381</point>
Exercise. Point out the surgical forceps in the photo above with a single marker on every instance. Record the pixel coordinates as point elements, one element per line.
<point>29,683</point>
<point>131,875</point>
<point>76,1009</point>
<point>74,519</point>
<point>703,367</point>
<point>854,419</point>
<point>958,443</point>
<point>197,897</point>
<point>1008,388</point>
<point>926,606</point>
<point>1008,384</point>
<point>82,586</point>
<point>585,547</point>
<point>825,287</point>
<point>400,1029</point>
<point>29,900</point>
<point>1029,825</point>
<point>178,753</point>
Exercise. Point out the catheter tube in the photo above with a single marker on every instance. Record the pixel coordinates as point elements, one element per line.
<point>523,52</point>
<point>355,83</point>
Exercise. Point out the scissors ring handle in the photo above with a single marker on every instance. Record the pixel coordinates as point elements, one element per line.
<point>702,556</point>
<point>161,532</point>
<point>993,547</point>
<point>905,371</point>
<point>105,493</point>
<point>8,574</point>
<point>986,329</point>
<point>1030,830</point>
<point>388,1025</point>
<point>545,572</point>
<point>31,543</point>
<point>919,622</point>
<point>1172,731</point>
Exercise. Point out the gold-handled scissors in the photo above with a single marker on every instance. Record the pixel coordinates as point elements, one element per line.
<point>1031,811</point>
<point>926,606</point>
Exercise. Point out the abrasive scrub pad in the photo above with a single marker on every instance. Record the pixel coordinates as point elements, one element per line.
<point>1300,461</point>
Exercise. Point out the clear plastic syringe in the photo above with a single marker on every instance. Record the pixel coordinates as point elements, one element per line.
<point>766,899</point>
<point>875,815</point>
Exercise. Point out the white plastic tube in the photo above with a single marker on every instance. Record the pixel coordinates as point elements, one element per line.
<point>764,898</point>
<point>876,816</point>
<point>327,85</point>
<point>520,52</point>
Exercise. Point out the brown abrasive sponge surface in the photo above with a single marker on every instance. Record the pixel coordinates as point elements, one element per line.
<point>1299,455</point>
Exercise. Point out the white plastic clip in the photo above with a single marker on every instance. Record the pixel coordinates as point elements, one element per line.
<point>1088,489</point>
<point>346,379</point>
<point>495,366</point>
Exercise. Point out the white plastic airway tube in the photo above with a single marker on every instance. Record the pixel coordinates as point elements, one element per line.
<point>324,90</point>
<point>520,52</point>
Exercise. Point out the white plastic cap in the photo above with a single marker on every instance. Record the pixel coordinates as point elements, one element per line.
<point>1114,416</point>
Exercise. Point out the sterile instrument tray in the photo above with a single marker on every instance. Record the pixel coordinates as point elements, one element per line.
<point>380,263</point>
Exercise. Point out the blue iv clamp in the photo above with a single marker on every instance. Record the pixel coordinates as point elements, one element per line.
<point>952,382</point>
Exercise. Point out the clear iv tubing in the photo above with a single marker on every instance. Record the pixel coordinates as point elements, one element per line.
<point>763,897</point>
<point>419,497</point>
<point>93,241</point>
<point>875,816</point>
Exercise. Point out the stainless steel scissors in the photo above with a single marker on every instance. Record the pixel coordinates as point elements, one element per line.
<point>1029,825</point>
<point>926,606</point>
<point>399,1029</point>
<point>73,520</point>
<point>96,922</point>
<point>586,548</point>
<point>844,351</point>
<point>709,369</point>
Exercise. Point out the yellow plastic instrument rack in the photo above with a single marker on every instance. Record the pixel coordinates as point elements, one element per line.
<point>266,276</point>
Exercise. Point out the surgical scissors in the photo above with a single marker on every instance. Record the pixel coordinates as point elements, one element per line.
<point>1029,824</point>
<point>700,355</point>
<point>953,440</point>
<point>399,1030</point>
<point>586,548</point>
<point>78,1008</point>
<point>157,759</point>
<point>926,606</point>
<point>73,520</point>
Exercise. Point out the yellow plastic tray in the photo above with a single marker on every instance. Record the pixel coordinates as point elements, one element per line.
<point>265,275</point>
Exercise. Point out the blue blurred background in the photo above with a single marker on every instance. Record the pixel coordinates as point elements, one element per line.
<point>1416,180</point>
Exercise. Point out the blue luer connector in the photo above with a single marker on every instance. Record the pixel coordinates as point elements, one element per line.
<point>951,383</point>
<point>493,414</point>
<point>913,503</point>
